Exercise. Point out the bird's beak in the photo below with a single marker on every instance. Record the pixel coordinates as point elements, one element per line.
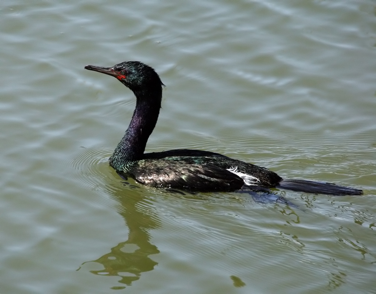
<point>107,71</point>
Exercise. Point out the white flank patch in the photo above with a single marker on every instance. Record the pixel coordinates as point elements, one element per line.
<point>248,179</point>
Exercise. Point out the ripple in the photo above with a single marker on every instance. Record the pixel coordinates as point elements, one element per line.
<point>92,164</point>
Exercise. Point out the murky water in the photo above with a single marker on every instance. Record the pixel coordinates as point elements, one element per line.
<point>289,86</point>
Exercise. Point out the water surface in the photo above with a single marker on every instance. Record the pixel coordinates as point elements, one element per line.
<point>289,86</point>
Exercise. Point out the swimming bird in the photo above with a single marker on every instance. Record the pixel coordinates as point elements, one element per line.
<point>186,169</point>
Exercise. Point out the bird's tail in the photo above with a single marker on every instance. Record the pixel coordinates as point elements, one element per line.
<point>317,187</point>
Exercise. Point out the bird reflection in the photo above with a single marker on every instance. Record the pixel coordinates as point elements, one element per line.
<point>129,259</point>
<point>132,257</point>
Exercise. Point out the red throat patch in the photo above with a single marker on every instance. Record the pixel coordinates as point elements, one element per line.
<point>121,77</point>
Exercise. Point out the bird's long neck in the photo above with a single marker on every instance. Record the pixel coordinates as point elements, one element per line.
<point>132,146</point>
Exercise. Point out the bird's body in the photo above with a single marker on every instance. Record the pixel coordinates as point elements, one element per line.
<point>192,170</point>
<point>197,170</point>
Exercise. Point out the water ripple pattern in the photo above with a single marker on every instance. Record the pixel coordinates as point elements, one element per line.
<point>285,85</point>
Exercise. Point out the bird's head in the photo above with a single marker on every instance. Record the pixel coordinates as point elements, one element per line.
<point>135,75</point>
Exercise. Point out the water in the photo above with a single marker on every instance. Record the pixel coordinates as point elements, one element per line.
<point>289,86</point>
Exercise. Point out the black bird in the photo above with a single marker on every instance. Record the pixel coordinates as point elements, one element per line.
<point>192,170</point>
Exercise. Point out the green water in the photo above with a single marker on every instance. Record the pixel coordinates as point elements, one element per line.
<point>285,85</point>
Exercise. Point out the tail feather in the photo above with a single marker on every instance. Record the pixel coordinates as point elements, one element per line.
<point>317,187</point>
